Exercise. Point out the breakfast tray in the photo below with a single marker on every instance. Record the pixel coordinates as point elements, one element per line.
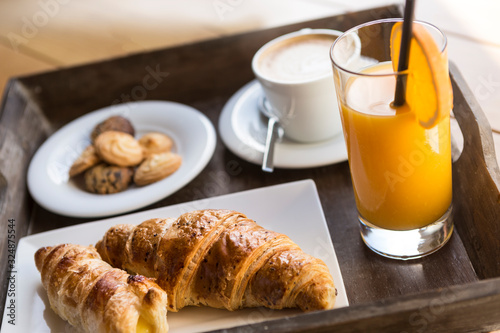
<point>456,289</point>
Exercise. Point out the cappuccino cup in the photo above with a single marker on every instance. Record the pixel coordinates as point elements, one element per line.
<point>296,76</point>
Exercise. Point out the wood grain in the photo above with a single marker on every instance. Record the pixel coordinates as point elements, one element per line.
<point>76,32</point>
<point>17,64</point>
<point>21,132</point>
<point>476,183</point>
<point>445,310</point>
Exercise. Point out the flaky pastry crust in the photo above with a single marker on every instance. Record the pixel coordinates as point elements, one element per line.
<point>95,297</point>
<point>221,259</point>
<point>118,148</point>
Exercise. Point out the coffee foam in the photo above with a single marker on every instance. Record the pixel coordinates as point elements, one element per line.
<point>297,59</point>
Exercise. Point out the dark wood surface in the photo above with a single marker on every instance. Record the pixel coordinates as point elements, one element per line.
<point>477,199</point>
<point>204,75</point>
<point>463,308</point>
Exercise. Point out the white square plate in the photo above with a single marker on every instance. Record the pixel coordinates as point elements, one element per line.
<point>293,209</point>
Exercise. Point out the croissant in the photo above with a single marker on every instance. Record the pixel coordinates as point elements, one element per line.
<point>221,259</point>
<point>95,297</point>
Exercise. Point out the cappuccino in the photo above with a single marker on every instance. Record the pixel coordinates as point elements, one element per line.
<point>297,59</point>
<point>296,76</point>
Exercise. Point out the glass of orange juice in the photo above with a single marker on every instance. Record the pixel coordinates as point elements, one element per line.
<point>399,157</point>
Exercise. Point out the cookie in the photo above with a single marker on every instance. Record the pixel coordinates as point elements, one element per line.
<point>157,167</point>
<point>155,143</point>
<point>88,158</point>
<point>107,179</point>
<point>114,123</point>
<point>118,148</point>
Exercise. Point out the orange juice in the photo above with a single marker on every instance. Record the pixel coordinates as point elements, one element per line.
<point>401,171</point>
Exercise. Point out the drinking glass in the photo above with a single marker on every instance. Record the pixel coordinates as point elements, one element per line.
<point>400,171</point>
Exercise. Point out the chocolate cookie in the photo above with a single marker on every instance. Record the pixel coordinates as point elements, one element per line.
<point>114,123</point>
<point>106,179</point>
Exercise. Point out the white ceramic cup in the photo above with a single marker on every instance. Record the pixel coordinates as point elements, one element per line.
<point>306,107</point>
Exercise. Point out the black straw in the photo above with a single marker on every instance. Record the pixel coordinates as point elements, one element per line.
<point>404,53</point>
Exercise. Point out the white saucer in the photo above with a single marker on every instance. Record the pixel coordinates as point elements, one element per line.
<point>243,131</point>
<point>48,183</point>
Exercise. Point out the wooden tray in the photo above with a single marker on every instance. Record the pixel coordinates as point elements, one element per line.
<point>455,290</point>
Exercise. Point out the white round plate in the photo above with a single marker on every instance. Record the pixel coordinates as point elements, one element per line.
<point>48,183</point>
<point>243,131</point>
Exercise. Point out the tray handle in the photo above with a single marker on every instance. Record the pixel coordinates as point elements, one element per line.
<point>476,182</point>
<point>3,191</point>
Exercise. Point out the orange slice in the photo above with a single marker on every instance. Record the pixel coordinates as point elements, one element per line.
<point>428,89</point>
